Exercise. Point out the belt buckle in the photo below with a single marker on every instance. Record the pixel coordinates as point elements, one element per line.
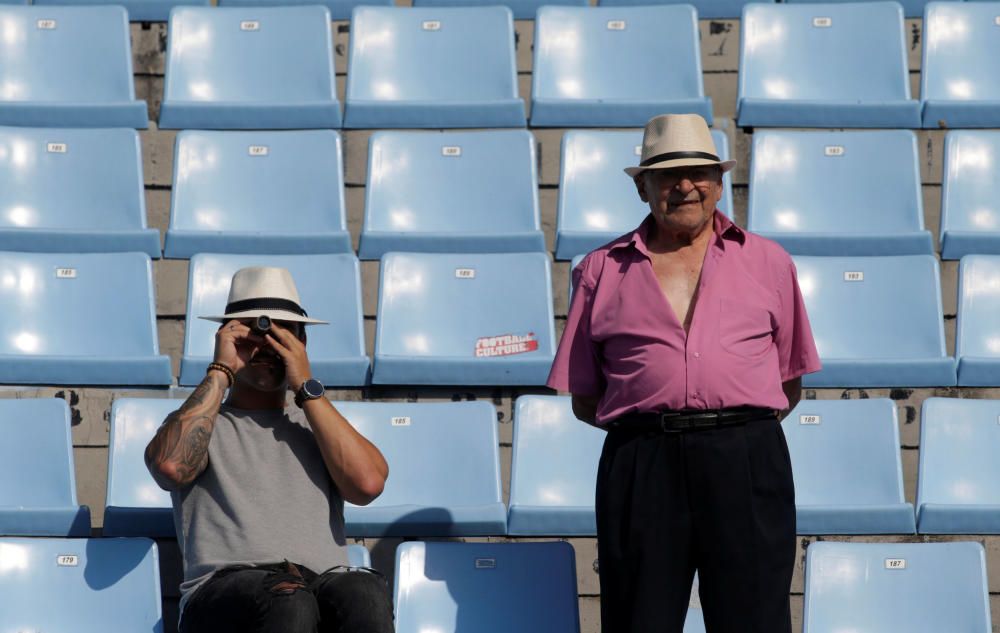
<point>664,418</point>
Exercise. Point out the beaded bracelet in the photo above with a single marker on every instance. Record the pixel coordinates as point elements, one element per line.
<point>228,372</point>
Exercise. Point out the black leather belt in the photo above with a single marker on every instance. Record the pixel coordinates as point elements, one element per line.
<point>690,420</point>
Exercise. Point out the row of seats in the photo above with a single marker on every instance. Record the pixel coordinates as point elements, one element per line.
<point>446,469</point>
<point>463,319</point>
<point>815,192</point>
<point>804,65</point>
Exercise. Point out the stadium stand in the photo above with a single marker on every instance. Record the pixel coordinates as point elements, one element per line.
<point>522,9</point>
<point>470,319</point>
<point>330,289</point>
<point>957,491</point>
<point>486,587</point>
<point>820,193</point>
<point>824,65</point>
<point>554,469</point>
<point>461,192</point>
<point>52,74</point>
<point>847,467</point>
<point>271,69</point>
<point>138,10</point>
<point>82,585</point>
<point>977,346</point>
<point>445,469</point>
<point>877,321</point>
<point>707,9</point>
<point>339,9</point>
<point>80,319</point>
<point>436,67</point>
<point>958,80</point>
<point>581,53</point>
<point>597,202</point>
<point>970,213</point>
<point>37,478</point>
<point>233,193</point>
<point>914,587</point>
<point>73,190</point>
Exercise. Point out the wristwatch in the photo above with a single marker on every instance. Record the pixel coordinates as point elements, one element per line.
<point>310,390</point>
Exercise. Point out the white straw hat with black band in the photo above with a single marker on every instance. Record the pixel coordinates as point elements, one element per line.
<point>263,291</point>
<point>678,140</point>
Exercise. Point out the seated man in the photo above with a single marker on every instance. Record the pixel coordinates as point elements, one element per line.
<point>258,490</point>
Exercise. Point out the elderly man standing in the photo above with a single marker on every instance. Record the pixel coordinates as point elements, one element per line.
<point>686,340</point>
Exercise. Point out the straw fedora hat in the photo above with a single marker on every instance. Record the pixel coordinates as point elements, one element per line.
<point>678,140</point>
<point>260,291</point>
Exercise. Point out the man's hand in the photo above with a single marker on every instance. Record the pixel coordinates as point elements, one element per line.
<point>234,344</point>
<point>293,352</point>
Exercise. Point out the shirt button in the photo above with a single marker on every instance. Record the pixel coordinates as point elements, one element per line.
<point>697,355</point>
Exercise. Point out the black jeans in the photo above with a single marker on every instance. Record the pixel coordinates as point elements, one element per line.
<point>721,501</point>
<point>289,598</point>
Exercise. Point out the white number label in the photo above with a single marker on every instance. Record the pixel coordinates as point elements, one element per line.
<point>451,150</point>
<point>431,25</point>
<point>65,273</point>
<point>56,148</point>
<point>809,419</point>
<point>895,563</point>
<point>834,150</point>
<point>46,25</point>
<point>996,20</point>
<point>465,273</point>
<point>259,150</point>
<point>638,150</point>
<point>822,23</point>
<point>67,560</point>
<point>616,25</point>
<point>401,420</point>
<point>486,563</point>
<point>249,25</point>
<point>854,275</point>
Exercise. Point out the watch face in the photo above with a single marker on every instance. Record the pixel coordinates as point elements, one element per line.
<point>313,388</point>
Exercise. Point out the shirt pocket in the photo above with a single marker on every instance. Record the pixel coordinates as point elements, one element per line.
<point>744,329</point>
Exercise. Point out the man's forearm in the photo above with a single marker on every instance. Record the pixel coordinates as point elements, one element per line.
<point>179,451</point>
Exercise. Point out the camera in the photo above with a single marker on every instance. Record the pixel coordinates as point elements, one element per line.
<point>261,325</point>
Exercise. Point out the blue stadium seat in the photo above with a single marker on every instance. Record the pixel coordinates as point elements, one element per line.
<point>958,490</point>
<point>445,469</point>
<point>912,587</point>
<point>65,190</point>
<point>911,8</point>
<point>707,9</point>
<point>877,321</point>
<point>138,10</point>
<point>572,265</point>
<point>339,9</point>
<point>695,620</point>
<point>822,193</point>
<point>959,81</point>
<point>464,319</point>
<point>597,202</point>
<point>587,61</point>
<point>81,585</point>
<point>522,9</point>
<point>257,192</point>
<point>53,75</point>
<point>824,65</point>
<point>79,319</point>
<point>554,469</point>
<point>37,481</point>
<point>330,289</point>
<point>136,505</point>
<point>977,345</point>
<point>847,467</point>
<point>234,68</point>
<point>970,199</point>
<point>486,588</point>
<point>358,555</point>
<point>461,192</point>
<point>432,68</point>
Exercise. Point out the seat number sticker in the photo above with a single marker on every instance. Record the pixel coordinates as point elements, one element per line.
<point>506,345</point>
<point>46,25</point>
<point>451,150</point>
<point>65,273</point>
<point>616,25</point>
<point>854,275</point>
<point>465,273</point>
<point>249,25</point>
<point>67,560</point>
<point>56,148</point>
<point>996,20</point>
<point>400,420</point>
<point>638,150</point>
<point>895,563</point>
<point>822,23</point>
<point>810,419</point>
<point>431,25</point>
<point>259,150</point>
<point>486,563</point>
<point>834,150</point>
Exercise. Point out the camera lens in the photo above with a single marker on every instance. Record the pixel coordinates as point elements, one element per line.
<point>262,324</point>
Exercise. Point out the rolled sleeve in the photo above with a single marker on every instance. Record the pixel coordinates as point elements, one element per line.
<point>577,366</point>
<point>796,348</point>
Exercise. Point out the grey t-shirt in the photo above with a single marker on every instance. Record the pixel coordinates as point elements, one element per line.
<point>265,496</point>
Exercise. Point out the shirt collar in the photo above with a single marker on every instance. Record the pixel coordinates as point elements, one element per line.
<point>723,227</point>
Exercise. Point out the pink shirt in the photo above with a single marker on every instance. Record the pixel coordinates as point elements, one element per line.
<point>749,331</point>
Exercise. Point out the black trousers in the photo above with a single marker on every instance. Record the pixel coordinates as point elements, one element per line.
<point>719,501</point>
<point>289,599</point>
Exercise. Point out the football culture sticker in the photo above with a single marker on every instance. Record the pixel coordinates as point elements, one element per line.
<point>505,345</point>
